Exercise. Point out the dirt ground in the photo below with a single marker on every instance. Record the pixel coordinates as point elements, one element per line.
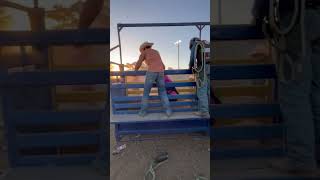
<point>189,155</point>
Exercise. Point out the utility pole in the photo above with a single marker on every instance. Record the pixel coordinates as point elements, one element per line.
<point>178,44</point>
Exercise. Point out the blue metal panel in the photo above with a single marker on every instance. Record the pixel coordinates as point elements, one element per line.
<point>10,131</point>
<point>164,131</point>
<point>244,110</point>
<point>163,127</point>
<point>142,73</point>
<point>138,105</point>
<point>176,84</point>
<point>65,139</point>
<point>235,32</point>
<point>221,72</point>
<point>55,118</point>
<point>138,98</point>
<point>118,112</point>
<point>56,37</point>
<point>56,78</point>
<point>163,24</point>
<point>56,160</point>
<point>104,139</point>
<point>219,153</point>
<point>247,132</point>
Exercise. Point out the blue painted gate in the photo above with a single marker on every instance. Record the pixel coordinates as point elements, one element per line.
<point>34,134</point>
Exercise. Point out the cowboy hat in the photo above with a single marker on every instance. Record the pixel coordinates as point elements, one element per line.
<point>144,45</point>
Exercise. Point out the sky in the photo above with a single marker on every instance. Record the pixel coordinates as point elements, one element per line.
<point>155,11</point>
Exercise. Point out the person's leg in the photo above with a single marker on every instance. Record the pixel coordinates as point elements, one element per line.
<point>203,100</point>
<point>294,99</point>
<point>163,94</point>
<point>150,78</point>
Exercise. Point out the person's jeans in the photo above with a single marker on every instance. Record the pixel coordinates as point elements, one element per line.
<point>300,98</point>
<point>157,77</point>
<point>203,92</point>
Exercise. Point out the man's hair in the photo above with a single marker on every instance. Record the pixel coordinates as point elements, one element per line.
<point>147,47</point>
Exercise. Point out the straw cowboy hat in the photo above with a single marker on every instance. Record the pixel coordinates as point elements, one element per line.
<point>144,45</point>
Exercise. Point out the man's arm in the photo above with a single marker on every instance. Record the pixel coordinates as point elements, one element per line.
<point>139,62</point>
<point>91,9</point>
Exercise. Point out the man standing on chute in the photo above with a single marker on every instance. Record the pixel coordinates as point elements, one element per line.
<point>293,28</point>
<point>200,65</point>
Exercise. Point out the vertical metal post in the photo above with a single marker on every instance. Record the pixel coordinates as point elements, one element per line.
<point>119,40</point>
<point>200,27</point>
<point>178,55</point>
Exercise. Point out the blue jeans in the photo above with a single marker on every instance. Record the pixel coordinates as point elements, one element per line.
<point>157,77</point>
<point>203,92</point>
<point>300,97</point>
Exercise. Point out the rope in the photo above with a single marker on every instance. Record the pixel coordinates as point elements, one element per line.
<point>159,160</point>
<point>197,70</point>
<point>278,39</point>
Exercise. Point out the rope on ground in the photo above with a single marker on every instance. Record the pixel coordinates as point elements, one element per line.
<point>160,159</point>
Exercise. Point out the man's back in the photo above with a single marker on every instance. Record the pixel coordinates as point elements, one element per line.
<point>153,60</point>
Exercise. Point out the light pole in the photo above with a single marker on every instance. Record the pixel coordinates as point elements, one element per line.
<point>178,44</point>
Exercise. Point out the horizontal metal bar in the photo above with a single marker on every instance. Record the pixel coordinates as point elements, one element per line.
<point>234,72</point>
<point>22,118</point>
<point>166,127</point>
<point>235,32</point>
<point>155,121</point>
<point>164,131</point>
<point>248,132</point>
<point>142,73</point>
<point>176,84</point>
<point>120,25</point>
<point>114,48</point>
<point>119,112</point>
<point>244,110</point>
<point>56,160</point>
<point>138,105</point>
<point>41,140</point>
<point>252,91</point>
<point>138,98</point>
<point>55,37</point>
<point>54,78</point>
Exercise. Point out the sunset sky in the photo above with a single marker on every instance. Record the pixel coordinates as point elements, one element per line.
<point>155,11</point>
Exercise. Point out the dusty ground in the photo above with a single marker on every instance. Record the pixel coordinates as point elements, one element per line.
<point>188,156</point>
